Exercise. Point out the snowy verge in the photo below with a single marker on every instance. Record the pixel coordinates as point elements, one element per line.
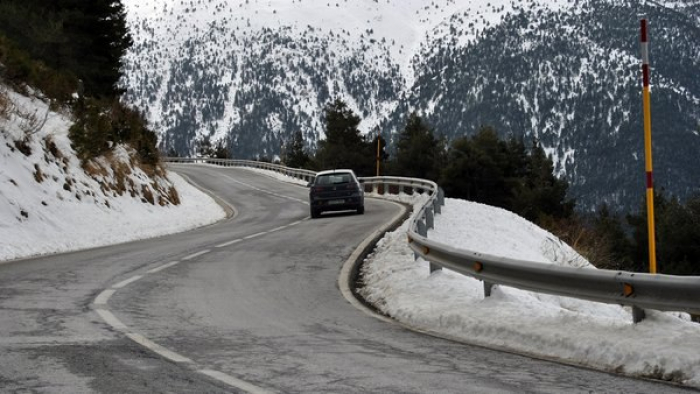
<point>50,204</point>
<point>663,346</point>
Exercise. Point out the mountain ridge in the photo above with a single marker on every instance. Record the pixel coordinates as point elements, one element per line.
<point>566,74</point>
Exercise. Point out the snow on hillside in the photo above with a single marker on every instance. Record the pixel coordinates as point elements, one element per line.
<point>408,27</point>
<point>404,23</point>
<point>49,204</point>
<point>601,336</point>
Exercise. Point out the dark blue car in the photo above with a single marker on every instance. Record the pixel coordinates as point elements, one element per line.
<point>336,190</point>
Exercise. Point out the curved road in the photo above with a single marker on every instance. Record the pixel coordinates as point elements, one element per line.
<point>249,304</point>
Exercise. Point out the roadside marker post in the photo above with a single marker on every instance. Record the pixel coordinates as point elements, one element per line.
<point>646,99</point>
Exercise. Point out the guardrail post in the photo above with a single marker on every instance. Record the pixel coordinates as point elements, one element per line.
<point>436,207</point>
<point>638,314</point>
<point>441,196</point>
<point>488,286</point>
<point>429,219</point>
<point>421,231</point>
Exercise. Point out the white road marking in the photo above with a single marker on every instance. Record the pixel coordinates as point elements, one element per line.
<point>267,191</point>
<point>115,323</point>
<point>110,319</point>
<point>145,342</point>
<point>234,382</point>
<point>127,282</point>
<point>162,267</point>
<point>255,235</point>
<point>235,241</point>
<point>102,298</point>
<point>229,243</point>
<point>192,256</point>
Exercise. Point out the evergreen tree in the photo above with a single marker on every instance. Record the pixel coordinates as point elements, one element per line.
<point>85,38</point>
<point>204,147</point>
<point>488,170</point>
<point>98,31</point>
<point>614,250</point>
<point>344,146</point>
<point>677,236</point>
<point>542,193</point>
<point>221,151</point>
<point>476,170</point>
<point>295,156</point>
<point>419,154</point>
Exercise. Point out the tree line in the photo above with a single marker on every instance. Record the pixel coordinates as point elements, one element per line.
<point>71,51</point>
<point>513,174</point>
<point>482,168</point>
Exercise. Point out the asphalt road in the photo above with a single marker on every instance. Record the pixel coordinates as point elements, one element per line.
<point>250,304</point>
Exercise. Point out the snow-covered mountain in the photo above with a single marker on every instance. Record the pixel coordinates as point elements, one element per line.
<point>252,72</point>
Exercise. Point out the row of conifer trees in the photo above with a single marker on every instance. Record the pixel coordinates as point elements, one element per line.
<point>513,174</point>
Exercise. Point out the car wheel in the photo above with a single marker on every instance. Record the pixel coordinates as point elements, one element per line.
<point>315,213</point>
<point>361,210</point>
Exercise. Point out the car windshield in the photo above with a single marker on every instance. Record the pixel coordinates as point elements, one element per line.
<point>333,179</point>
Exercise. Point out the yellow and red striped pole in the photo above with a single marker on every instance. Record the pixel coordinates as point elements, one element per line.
<point>646,98</point>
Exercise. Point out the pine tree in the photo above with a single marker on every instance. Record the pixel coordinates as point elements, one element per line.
<point>99,33</point>
<point>615,248</point>
<point>344,146</point>
<point>476,170</point>
<point>85,38</point>
<point>677,235</point>
<point>542,194</point>
<point>419,154</point>
<point>295,156</point>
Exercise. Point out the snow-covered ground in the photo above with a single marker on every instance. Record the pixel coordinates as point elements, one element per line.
<point>48,204</point>
<point>40,214</point>
<point>601,336</point>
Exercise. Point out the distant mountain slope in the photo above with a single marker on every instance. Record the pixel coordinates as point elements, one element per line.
<point>567,73</point>
<point>572,80</point>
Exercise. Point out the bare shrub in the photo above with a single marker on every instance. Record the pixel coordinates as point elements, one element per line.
<point>5,105</point>
<point>32,123</point>
<point>595,248</point>
<point>173,196</point>
<point>148,194</point>
<point>22,145</point>
<point>38,175</point>
<point>50,145</point>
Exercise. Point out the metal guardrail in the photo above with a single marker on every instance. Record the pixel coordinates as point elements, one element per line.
<point>639,290</point>
<point>298,173</point>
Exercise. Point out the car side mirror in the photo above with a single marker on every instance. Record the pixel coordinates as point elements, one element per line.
<point>309,184</point>
<point>361,180</point>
